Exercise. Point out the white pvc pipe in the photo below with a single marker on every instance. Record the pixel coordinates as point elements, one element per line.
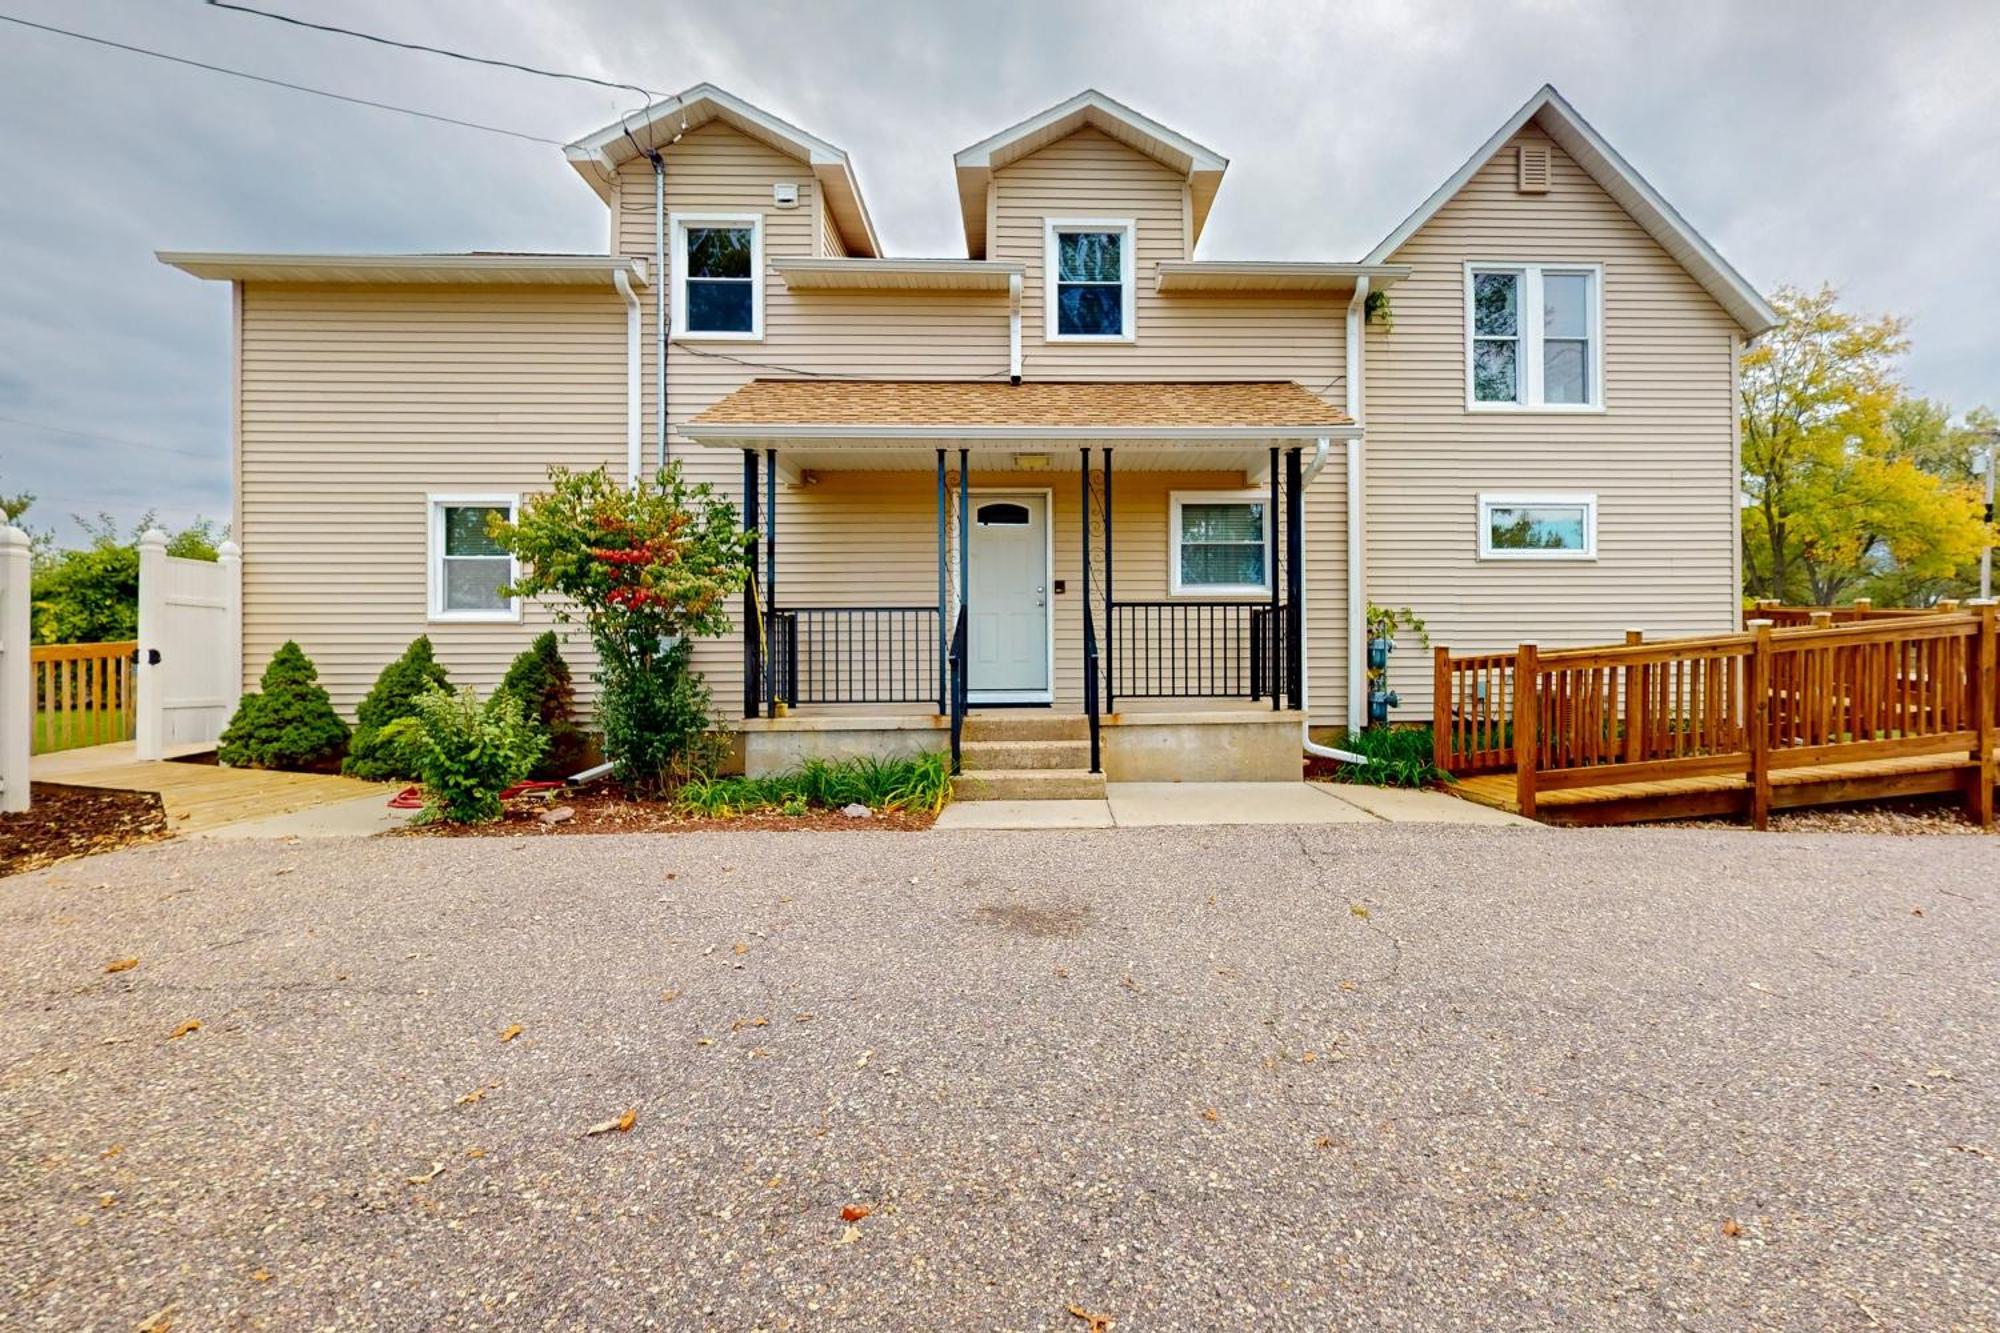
<point>634,376</point>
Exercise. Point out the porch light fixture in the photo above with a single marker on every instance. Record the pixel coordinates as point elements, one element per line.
<point>1031,462</point>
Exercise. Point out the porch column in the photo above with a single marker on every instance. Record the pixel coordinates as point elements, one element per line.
<point>944,626</point>
<point>965,540</point>
<point>1294,582</point>
<point>1110,604</point>
<point>1271,661</point>
<point>771,569</point>
<point>751,656</point>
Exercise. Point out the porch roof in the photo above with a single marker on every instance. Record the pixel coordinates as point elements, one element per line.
<point>888,411</point>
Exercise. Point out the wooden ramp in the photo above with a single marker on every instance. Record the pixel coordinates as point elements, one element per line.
<point>198,796</point>
<point>1729,794</point>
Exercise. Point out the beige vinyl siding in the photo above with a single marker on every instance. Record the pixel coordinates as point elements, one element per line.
<point>830,244</point>
<point>358,402</point>
<point>1660,458</point>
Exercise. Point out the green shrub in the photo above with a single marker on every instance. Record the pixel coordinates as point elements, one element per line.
<point>288,722</point>
<point>466,753</point>
<point>1399,757</point>
<point>919,783</point>
<point>654,712</point>
<point>540,679</point>
<point>371,754</point>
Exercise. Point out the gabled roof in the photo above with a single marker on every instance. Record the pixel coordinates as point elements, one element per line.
<point>1201,166</point>
<point>1560,121</point>
<point>598,156</point>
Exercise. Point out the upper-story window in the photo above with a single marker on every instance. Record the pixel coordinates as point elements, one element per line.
<point>1088,280</point>
<point>1533,337</point>
<point>718,265</point>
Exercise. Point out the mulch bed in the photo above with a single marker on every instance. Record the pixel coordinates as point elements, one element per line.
<point>62,823</point>
<point>606,811</point>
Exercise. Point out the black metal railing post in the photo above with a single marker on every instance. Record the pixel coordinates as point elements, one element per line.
<point>1271,526</point>
<point>958,690</point>
<point>1111,619</point>
<point>943,629</point>
<point>1090,682</point>
<point>1294,580</point>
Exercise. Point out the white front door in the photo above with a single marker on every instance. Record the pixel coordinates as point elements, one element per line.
<point>1007,648</point>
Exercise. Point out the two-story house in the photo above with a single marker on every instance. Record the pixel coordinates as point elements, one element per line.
<point>1102,505</point>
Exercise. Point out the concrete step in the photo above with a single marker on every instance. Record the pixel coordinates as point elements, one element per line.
<point>983,756</point>
<point>1026,725</point>
<point>1030,784</point>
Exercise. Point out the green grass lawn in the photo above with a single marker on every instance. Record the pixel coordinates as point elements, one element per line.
<point>56,730</point>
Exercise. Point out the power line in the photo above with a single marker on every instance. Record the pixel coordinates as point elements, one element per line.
<point>647,93</point>
<point>280,83</point>
<point>112,439</point>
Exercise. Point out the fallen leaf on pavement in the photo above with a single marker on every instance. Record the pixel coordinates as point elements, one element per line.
<point>1323,1141</point>
<point>1092,1323</point>
<point>112,1151</point>
<point>261,1275</point>
<point>1358,910</point>
<point>160,1322</point>
<point>1350,985</point>
<point>475,1152</point>
<point>192,1025</point>
<point>669,996</point>
<point>849,1236</point>
<point>1916,911</point>
<point>854,1212</point>
<point>622,1125</point>
<point>802,1018</point>
<point>741,1023</point>
<point>1731,1227</point>
<point>741,948</point>
<point>510,1032</point>
<point>107,1200</point>
<point>121,965</point>
<point>437,1169</point>
<point>1211,1115</point>
<point>468,1099</point>
<point>862,1063</point>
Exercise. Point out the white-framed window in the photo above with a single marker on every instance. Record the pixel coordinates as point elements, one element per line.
<point>1546,526</point>
<point>1534,337</point>
<point>1087,281</point>
<point>1219,543</point>
<point>468,568</point>
<point>718,269</point>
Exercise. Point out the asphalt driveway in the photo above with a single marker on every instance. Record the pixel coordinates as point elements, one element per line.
<point>1350,1076</point>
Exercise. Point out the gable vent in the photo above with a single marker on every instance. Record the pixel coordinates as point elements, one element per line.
<point>1534,168</point>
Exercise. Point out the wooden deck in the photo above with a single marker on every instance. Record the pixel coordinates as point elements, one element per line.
<point>198,797</point>
<point>1729,794</point>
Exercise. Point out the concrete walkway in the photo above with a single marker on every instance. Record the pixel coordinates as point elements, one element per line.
<point>204,798</point>
<point>1156,804</point>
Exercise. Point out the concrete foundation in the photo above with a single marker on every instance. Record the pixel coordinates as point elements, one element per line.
<point>1250,745</point>
<point>768,745</point>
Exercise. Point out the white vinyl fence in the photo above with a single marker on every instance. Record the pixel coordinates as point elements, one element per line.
<point>190,632</point>
<point>17,687</point>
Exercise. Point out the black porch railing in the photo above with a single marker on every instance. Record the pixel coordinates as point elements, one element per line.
<point>1198,650</point>
<point>854,654</point>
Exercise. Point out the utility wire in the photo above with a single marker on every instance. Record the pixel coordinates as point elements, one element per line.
<point>646,93</point>
<point>110,439</point>
<point>280,83</point>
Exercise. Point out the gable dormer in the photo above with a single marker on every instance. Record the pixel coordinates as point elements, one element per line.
<point>1105,132</point>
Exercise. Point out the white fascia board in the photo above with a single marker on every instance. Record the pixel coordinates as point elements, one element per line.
<point>1618,179</point>
<point>722,435</point>
<point>1199,158</point>
<point>574,269</point>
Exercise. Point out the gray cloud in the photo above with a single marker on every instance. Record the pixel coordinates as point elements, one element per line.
<point>1850,142</point>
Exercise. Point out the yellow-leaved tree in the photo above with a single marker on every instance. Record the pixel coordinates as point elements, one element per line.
<point>1848,480</point>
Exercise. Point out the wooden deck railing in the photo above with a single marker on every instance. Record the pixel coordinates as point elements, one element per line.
<point>1749,704</point>
<point>85,694</point>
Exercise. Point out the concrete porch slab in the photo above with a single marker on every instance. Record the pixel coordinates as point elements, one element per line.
<point>1149,804</point>
<point>358,818</point>
<point>1025,815</point>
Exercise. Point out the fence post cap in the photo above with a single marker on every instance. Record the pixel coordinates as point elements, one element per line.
<point>152,537</point>
<point>229,550</point>
<point>1758,624</point>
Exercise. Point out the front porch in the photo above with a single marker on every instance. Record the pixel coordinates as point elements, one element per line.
<point>1139,591</point>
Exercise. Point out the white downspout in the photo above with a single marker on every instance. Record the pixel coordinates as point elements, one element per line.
<point>1014,328</point>
<point>660,302</point>
<point>634,377</point>
<point>1357,589</point>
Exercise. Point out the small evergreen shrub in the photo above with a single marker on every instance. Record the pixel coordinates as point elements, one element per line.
<point>540,679</point>
<point>288,722</point>
<point>920,783</point>
<point>371,754</point>
<point>466,753</point>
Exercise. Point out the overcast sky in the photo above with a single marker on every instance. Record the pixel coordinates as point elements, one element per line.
<point>1852,143</point>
